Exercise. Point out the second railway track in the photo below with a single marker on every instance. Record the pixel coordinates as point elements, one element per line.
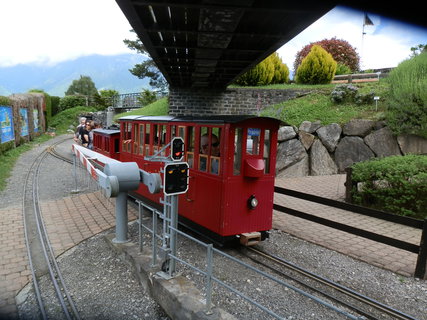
<point>39,250</point>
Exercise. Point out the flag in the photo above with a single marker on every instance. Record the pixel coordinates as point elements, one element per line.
<point>367,21</point>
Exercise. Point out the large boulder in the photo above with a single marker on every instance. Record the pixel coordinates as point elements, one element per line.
<point>296,169</point>
<point>410,143</point>
<point>330,135</point>
<point>383,143</point>
<point>286,133</point>
<point>289,153</point>
<point>309,126</point>
<point>306,139</point>
<point>358,127</point>
<point>321,162</point>
<point>350,150</point>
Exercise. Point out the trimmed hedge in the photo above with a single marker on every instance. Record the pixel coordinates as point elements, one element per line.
<point>396,184</point>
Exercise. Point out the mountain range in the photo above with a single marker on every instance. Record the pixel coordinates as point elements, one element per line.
<point>107,72</point>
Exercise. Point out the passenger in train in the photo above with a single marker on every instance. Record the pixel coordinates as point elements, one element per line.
<point>215,152</point>
<point>85,134</point>
<point>79,128</point>
<point>204,143</point>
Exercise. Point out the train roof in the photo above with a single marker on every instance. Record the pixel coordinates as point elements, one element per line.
<point>196,119</point>
<point>107,131</point>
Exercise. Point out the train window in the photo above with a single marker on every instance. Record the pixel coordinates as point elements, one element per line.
<point>162,138</point>
<point>107,145</point>
<point>214,167</point>
<point>147,139</point>
<point>189,144</point>
<point>116,145</point>
<point>210,147</point>
<point>238,137</point>
<point>141,139</point>
<point>135,138</point>
<point>203,162</point>
<point>127,127</point>
<point>253,140</point>
<point>181,132</point>
<point>267,139</point>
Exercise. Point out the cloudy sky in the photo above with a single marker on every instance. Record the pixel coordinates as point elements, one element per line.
<point>50,31</point>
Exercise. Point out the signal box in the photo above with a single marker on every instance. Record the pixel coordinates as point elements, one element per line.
<point>175,178</point>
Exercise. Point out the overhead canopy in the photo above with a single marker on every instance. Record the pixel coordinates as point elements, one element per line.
<point>208,43</point>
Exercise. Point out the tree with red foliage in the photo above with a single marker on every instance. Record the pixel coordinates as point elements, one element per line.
<point>342,52</point>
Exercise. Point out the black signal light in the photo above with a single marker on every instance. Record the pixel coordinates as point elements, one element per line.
<point>175,178</point>
<point>177,150</point>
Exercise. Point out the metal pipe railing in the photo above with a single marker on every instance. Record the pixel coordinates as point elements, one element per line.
<point>172,232</point>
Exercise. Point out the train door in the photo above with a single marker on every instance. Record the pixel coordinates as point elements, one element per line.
<point>249,193</point>
<point>126,141</point>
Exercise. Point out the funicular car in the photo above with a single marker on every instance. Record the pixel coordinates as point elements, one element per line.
<point>231,170</point>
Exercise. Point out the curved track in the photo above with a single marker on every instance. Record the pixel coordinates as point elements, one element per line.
<point>40,253</point>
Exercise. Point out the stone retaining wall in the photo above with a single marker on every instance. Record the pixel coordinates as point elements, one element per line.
<point>313,149</point>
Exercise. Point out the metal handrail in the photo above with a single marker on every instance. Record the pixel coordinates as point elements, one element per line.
<point>208,273</point>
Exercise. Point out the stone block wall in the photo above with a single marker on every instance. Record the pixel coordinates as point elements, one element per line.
<point>198,102</point>
<point>313,149</point>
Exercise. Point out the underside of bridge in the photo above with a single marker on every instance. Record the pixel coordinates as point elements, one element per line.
<point>208,43</point>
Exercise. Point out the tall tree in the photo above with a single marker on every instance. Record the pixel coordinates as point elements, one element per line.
<point>83,86</point>
<point>147,68</point>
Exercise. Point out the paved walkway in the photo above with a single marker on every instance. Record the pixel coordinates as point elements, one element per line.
<point>381,255</point>
<point>69,222</point>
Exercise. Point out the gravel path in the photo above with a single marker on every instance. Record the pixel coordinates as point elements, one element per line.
<point>104,287</point>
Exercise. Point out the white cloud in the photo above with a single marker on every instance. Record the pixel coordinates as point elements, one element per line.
<point>49,31</point>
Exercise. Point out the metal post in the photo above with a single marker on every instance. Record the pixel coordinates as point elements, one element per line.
<point>420,269</point>
<point>140,226</point>
<point>121,218</point>
<point>173,235</point>
<point>209,261</point>
<point>154,239</point>
<point>76,190</point>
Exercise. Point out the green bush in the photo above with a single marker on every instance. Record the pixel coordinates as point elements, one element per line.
<point>54,100</point>
<point>318,67</point>
<point>269,71</point>
<point>342,69</point>
<point>5,101</point>
<point>68,102</point>
<point>395,184</point>
<point>407,107</point>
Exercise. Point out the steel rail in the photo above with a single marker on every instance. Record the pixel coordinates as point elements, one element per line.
<point>358,296</point>
<point>49,256</point>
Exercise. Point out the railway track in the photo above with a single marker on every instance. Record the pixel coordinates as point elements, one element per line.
<point>364,306</point>
<point>39,250</point>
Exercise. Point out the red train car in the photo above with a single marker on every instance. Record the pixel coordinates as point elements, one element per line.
<point>231,170</point>
<point>107,142</point>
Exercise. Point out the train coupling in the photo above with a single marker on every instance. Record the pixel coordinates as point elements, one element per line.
<point>250,238</point>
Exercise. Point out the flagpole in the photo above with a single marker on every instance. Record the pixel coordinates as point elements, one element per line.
<point>366,22</point>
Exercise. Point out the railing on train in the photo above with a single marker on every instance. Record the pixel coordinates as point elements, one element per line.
<point>420,250</point>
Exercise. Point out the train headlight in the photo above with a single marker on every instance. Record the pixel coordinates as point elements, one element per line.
<point>252,202</point>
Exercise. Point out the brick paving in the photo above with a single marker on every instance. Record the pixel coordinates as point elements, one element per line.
<point>68,221</point>
<point>380,255</point>
<point>73,219</point>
